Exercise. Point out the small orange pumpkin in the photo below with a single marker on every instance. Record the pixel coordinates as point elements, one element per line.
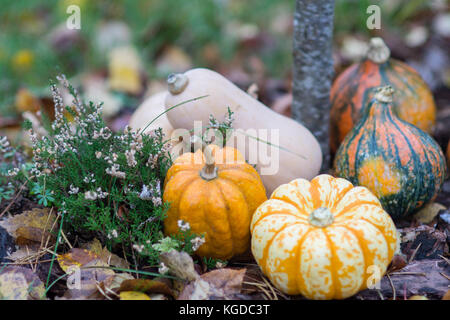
<point>322,239</point>
<point>355,86</point>
<point>217,194</point>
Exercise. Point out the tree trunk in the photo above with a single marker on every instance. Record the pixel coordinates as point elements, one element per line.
<point>313,69</point>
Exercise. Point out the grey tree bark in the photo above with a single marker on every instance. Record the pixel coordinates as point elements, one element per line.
<point>313,68</point>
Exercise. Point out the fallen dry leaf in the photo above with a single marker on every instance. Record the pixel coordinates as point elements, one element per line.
<point>119,278</point>
<point>23,253</point>
<point>76,258</point>
<point>446,295</point>
<point>87,273</point>
<point>85,283</point>
<point>429,212</point>
<point>20,283</point>
<point>93,280</point>
<point>173,59</point>
<point>145,285</point>
<point>418,298</point>
<point>124,70</point>
<point>31,227</point>
<point>103,254</point>
<point>94,246</point>
<point>417,278</point>
<point>133,295</point>
<point>223,283</point>
<point>26,101</point>
<point>180,264</point>
<point>398,262</point>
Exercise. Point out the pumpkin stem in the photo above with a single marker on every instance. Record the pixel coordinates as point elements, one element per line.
<point>321,217</point>
<point>378,51</point>
<point>176,82</point>
<point>209,171</point>
<point>384,94</point>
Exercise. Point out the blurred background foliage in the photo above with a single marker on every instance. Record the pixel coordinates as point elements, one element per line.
<point>251,38</point>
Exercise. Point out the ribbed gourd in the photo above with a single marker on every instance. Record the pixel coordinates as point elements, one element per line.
<point>216,192</point>
<point>324,238</point>
<point>401,164</point>
<point>354,88</point>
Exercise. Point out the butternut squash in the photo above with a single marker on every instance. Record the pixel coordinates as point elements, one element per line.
<point>294,153</point>
<point>152,107</point>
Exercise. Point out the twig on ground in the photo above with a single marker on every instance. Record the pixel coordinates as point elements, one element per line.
<point>445,259</point>
<point>408,274</point>
<point>444,275</point>
<point>66,240</point>
<point>99,288</point>
<point>13,200</point>
<point>394,296</point>
<point>380,294</point>
<point>404,291</point>
<point>414,253</point>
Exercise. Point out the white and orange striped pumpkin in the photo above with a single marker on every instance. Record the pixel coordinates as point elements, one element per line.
<point>324,239</point>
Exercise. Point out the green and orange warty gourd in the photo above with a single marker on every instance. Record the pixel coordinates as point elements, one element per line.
<point>322,239</point>
<point>401,164</point>
<point>217,194</point>
<point>448,155</point>
<point>354,88</point>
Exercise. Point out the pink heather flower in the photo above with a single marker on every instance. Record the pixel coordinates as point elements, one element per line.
<point>138,247</point>
<point>90,195</point>
<point>112,234</point>
<point>183,225</point>
<point>4,144</point>
<point>197,243</point>
<point>163,269</point>
<point>145,193</point>
<point>73,190</point>
<point>114,171</point>
<point>13,172</point>
<point>131,161</point>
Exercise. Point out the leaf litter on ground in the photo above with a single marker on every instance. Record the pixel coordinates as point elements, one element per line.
<point>223,283</point>
<point>89,272</point>
<point>20,283</point>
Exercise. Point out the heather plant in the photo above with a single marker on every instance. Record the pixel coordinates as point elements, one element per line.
<point>219,129</point>
<point>14,170</point>
<point>106,185</point>
<point>103,184</point>
<point>212,263</point>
